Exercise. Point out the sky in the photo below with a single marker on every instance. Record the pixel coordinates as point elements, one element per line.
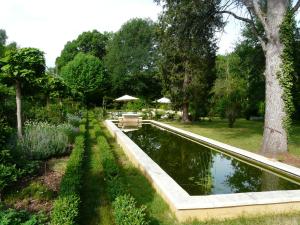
<point>50,24</point>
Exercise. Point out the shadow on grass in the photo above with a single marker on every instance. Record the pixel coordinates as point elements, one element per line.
<point>93,199</point>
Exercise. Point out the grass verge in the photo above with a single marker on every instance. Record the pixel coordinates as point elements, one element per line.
<point>245,134</point>
<point>95,208</point>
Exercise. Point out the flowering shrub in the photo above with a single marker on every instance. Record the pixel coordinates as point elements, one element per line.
<point>43,140</point>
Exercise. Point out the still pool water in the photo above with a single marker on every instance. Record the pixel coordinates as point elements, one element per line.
<point>200,170</point>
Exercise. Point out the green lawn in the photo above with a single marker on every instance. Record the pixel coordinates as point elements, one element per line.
<point>245,134</point>
<point>95,208</point>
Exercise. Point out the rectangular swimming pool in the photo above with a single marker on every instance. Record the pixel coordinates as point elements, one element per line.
<point>201,178</point>
<point>201,170</point>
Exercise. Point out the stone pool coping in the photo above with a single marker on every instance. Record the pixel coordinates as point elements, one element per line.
<point>203,207</point>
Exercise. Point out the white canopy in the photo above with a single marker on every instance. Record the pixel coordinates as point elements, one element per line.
<point>126,98</point>
<point>164,100</point>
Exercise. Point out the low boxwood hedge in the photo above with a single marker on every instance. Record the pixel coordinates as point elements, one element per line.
<point>125,210</point>
<point>66,207</point>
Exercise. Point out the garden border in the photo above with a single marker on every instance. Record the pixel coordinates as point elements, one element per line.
<point>212,206</point>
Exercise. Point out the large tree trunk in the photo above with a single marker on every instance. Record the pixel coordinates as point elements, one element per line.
<point>19,114</point>
<point>185,112</point>
<point>275,136</point>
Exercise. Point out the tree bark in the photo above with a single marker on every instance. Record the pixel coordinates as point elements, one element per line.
<point>185,112</point>
<point>19,114</point>
<point>275,135</point>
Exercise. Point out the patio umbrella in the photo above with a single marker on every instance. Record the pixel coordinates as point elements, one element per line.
<point>164,100</point>
<point>126,98</point>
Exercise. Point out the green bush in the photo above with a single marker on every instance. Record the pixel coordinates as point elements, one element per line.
<point>70,183</point>
<point>8,175</point>
<point>5,132</point>
<point>124,207</point>
<point>137,105</point>
<point>127,213</point>
<point>74,120</point>
<point>66,207</point>
<point>65,210</point>
<point>99,113</point>
<point>42,140</point>
<point>14,217</point>
<point>52,113</point>
<point>8,171</point>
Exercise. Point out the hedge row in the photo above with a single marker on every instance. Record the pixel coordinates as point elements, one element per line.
<point>125,210</point>
<point>66,206</point>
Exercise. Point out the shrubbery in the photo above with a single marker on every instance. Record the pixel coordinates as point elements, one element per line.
<point>8,171</point>
<point>42,140</point>
<point>125,210</point>
<point>5,132</point>
<point>74,120</point>
<point>127,213</point>
<point>52,113</point>
<point>14,217</point>
<point>66,207</point>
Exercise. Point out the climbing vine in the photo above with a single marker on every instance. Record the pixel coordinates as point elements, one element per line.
<point>287,37</point>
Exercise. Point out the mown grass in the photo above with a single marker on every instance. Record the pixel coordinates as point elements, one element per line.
<point>159,212</point>
<point>95,208</point>
<point>245,134</point>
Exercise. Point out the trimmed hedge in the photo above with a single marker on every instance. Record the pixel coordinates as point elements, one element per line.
<point>125,210</point>
<point>127,213</point>
<point>66,207</point>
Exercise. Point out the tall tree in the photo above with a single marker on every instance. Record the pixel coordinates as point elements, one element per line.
<point>3,38</point>
<point>22,67</point>
<point>276,18</point>
<point>132,59</point>
<point>188,50</point>
<point>84,75</point>
<point>90,42</point>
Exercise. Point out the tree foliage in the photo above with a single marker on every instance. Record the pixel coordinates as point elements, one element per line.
<point>90,42</point>
<point>84,75</point>
<point>132,59</point>
<point>187,47</point>
<point>24,65</point>
<point>230,90</point>
<point>3,38</point>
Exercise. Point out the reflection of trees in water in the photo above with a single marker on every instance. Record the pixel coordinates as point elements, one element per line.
<point>186,162</point>
<point>246,178</point>
<point>189,164</point>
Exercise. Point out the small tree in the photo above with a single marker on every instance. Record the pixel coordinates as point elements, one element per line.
<point>229,96</point>
<point>84,75</point>
<point>22,67</point>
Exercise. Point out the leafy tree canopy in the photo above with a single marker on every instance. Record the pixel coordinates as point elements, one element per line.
<point>90,42</point>
<point>132,59</point>
<point>188,47</point>
<point>24,65</point>
<point>84,74</point>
